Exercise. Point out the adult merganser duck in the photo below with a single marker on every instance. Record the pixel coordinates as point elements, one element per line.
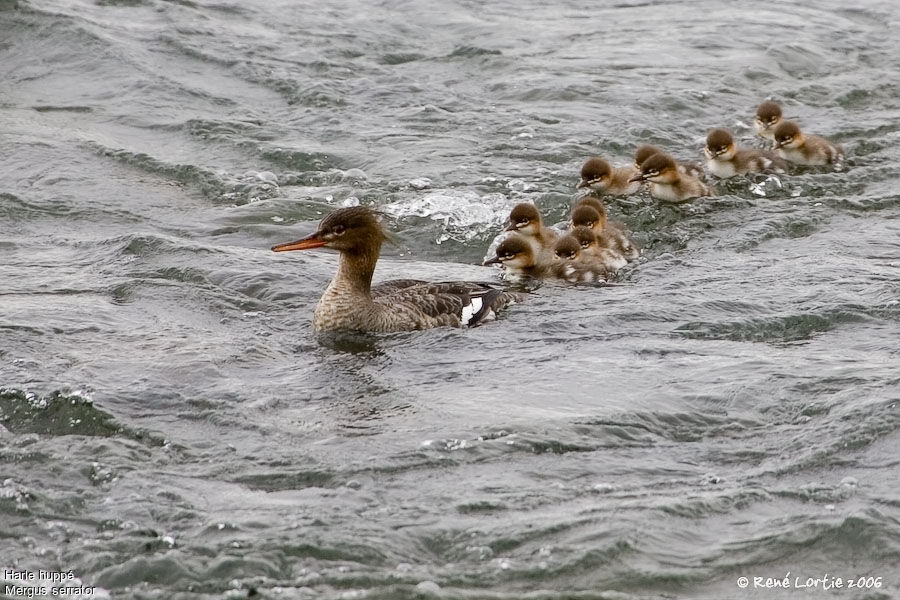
<point>598,174</point>
<point>768,117</point>
<point>725,159</point>
<point>351,303</point>
<point>667,184</point>
<point>805,149</point>
<point>645,151</point>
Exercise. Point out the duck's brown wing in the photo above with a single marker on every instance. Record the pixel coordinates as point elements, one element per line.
<point>388,287</point>
<point>450,302</point>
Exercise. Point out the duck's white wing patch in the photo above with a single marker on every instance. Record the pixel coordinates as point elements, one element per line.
<point>472,309</point>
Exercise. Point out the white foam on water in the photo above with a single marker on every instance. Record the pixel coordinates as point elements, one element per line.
<point>464,215</point>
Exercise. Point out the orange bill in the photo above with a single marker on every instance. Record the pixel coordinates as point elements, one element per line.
<point>310,241</point>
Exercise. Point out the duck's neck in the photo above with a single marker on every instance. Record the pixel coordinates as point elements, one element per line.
<point>355,270</point>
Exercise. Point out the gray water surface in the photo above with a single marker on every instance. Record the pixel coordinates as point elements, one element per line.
<point>173,428</point>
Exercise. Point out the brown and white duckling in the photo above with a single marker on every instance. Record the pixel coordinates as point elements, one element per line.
<point>519,259</point>
<point>725,159</point>
<point>805,149</point>
<point>667,183</point>
<point>525,218</point>
<point>591,246</point>
<point>588,216</point>
<point>597,205</point>
<point>768,117</point>
<point>645,151</point>
<point>576,266</point>
<point>351,303</point>
<point>608,235</point>
<point>598,174</point>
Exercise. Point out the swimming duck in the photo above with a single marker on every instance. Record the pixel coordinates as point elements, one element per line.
<point>609,235</point>
<point>576,265</point>
<point>645,151</point>
<point>725,159</point>
<point>805,149</point>
<point>352,303</point>
<point>598,174</point>
<point>667,183</point>
<point>525,218</point>
<point>768,117</point>
<point>591,246</point>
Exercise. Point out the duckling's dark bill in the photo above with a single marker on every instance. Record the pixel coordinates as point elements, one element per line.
<point>310,241</point>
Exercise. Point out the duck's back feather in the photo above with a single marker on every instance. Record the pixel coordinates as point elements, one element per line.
<point>455,303</point>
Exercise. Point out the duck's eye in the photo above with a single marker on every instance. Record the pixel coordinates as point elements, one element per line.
<point>585,244</point>
<point>522,222</point>
<point>723,148</point>
<point>338,230</point>
<point>507,256</point>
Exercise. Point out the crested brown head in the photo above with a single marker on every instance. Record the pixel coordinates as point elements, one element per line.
<point>523,215</point>
<point>768,113</point>
<point>786,133</point>
<point>644,152</point>
<point>587,216</point>
<point>567,247</point>
<point>718,141</point>
<point>594,170</point>
<point>353,230</point>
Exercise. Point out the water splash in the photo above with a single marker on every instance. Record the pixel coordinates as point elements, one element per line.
<point>464,215</point>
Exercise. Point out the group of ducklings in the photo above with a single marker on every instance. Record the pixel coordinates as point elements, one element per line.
<point>594,248</point>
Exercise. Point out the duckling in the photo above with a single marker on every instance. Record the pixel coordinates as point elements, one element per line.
<point>805,149</point>
<point>726,160</point>
<point>526,219</point>
<point>768,117</point>
<point>591,246</point>
<point>585,215</point>
<point>667,184</point>
<point>601,176</point>
<point>645,151</point>
<point>576,266</point>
